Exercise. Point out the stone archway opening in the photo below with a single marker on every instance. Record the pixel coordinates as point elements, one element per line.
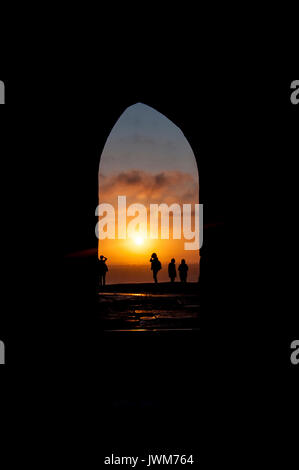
<point>146,161</point>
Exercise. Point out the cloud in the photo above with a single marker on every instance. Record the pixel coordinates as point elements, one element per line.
<point>132,177</point>
<point>145,187</point>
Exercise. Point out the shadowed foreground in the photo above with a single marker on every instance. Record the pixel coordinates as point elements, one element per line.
<point>140,346</point>
<point>149,307</point>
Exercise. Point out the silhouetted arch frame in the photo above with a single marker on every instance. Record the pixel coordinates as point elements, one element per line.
<point>169,114</point>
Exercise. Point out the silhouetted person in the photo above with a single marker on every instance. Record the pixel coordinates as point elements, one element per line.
<point>172,270</point>
<point>155,266</point>
<point>183,270</point>
<point>103,268</point>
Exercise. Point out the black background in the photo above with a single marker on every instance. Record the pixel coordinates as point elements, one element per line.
<point>228,396</point>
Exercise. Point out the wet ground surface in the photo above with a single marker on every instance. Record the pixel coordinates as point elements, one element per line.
<point>148,311</point>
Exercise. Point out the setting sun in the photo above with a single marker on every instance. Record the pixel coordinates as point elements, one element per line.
<point>138,240</point>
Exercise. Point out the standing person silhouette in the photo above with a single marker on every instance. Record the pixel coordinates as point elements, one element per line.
<point>103,268</point>
<point>155,266</point>
<point>183,271</point>
<point>172,270</point>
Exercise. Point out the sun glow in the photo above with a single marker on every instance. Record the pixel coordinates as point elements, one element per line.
<point>138,240</point>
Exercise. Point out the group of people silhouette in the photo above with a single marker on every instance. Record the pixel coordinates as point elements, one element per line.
<point>156,266</point>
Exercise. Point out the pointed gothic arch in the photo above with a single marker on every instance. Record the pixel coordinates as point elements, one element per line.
<point>148,159</point>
